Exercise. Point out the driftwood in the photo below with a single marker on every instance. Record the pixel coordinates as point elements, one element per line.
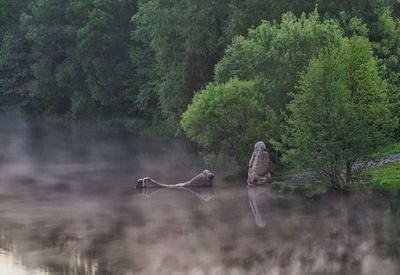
<point>204,179</point>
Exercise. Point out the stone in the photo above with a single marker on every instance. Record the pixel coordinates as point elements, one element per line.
<point>258,173</point>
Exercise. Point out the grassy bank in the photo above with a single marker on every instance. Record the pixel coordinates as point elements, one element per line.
<point>388,150</point>
<point>386,177</point>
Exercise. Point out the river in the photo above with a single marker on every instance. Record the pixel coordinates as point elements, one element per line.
<point>68,206</point>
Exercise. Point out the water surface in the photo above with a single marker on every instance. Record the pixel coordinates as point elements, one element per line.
<point>68,206</point>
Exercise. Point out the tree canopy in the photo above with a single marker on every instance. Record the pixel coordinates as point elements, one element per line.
<point>340,113</point>
<point>274,53</point>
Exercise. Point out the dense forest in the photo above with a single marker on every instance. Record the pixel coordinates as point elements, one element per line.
<point>318,80</point>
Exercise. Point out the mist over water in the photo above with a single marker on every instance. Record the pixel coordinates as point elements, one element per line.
<point>68,206</point>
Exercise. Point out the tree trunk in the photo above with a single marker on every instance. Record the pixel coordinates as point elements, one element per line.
<point>348,172</point>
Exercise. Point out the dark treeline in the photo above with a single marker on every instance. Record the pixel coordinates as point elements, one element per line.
<point>146,59</point>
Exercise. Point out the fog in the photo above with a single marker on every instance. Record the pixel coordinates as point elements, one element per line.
<point>68,206</point>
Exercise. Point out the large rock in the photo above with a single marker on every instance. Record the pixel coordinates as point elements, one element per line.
<point>258,172</point>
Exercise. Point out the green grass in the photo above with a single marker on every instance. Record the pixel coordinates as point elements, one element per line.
<point>388,150</point>
<point>386,177</point>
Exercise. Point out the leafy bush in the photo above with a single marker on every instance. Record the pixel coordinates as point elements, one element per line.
<point>228,119</point>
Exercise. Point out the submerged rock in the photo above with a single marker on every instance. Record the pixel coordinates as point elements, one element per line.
<point>204,179</point>
<point>258,172</point>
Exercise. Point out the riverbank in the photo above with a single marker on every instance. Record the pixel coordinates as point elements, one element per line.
<point>386,177</point>
<point>382,175</point>
<point>384,172</point>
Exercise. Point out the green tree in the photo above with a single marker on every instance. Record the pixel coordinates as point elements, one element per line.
<point>103,45</point>
<point>245,14</point>
<point>227,118</point>
<point>14,55</point>
<point>274,53</point>
<point>340,113</point>
<point>387,49</point>
<point>142,56</point>
<point>10,11</point>
<point>186,40</point>
<point>53,42</point>
<point>14,70</point>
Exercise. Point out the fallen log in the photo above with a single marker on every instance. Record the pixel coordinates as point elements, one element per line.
<point>204,179</point>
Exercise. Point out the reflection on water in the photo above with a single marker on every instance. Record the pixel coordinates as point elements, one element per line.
<point>68,206</point>
<point>258,199</point>
<point>11,264</point>
<point>205,194</point>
